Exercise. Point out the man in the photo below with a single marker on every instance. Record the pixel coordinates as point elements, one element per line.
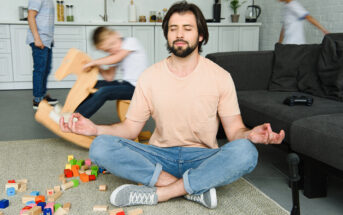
<point>40,36</point>
<point>184,94</point>
<point>292,31</point>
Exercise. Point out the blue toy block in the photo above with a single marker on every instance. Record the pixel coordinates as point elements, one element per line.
<point>10,191</point>
<point>34,193</point>
<point>4,203</point>
<point>47,211</point>
<point>30,202</point>
<point>42,204</point>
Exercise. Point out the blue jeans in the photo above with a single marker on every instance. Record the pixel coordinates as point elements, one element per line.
<point>42,59</point>
<point>107,90</point>
<point>200,168</point>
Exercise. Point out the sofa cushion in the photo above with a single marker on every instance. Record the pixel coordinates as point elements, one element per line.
<point>330,65</point>
<point>288,58</point>
<point>258,107</point>
<point>320,137</point>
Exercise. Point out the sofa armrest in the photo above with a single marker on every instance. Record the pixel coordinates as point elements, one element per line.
<point>250,70</point>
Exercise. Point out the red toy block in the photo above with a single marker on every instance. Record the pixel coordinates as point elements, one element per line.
<point>92,177</point>
<point>84,177</point>
<point>68,173</point>
<point>11,181</point>
<point>121,213</point>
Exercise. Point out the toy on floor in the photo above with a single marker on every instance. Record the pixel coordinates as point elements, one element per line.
<point>49,116</point>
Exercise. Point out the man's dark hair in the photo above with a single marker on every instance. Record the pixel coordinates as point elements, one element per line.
<point>183,7</point>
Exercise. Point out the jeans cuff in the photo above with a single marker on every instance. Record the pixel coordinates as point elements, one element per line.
<point>156,174</point>
<point>186,182</point>
<point>38,99</point>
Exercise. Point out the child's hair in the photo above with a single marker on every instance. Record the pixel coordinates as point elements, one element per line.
<point>100,34</point>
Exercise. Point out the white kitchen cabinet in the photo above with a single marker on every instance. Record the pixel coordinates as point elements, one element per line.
<point>161,51</point>
<point>146,36</point>
<point>22,54</point>
<point>248,39</point>
<point>212,44</point>
<point>6,73</point>
<point>228,39</point>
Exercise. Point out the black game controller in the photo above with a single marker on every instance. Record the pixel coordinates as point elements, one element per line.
<point>298,100</point>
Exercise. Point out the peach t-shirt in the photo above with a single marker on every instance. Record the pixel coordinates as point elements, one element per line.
<point>186,110</point>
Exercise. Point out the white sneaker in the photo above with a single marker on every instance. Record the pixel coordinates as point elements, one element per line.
<point>207,199</point>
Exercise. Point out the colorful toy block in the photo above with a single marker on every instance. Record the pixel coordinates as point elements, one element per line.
<point>30,203</point>
<point>14,185</point>
<point>50,206</point>
<point>92,177</point>
<point>70,157</point>
<point>80,163</point>
<point>95,168</point>
<point>75,182</point>
<point>42,205</point>
<point>4,203</point>
<point>24,209</point>
<point>100,208</point>
<point>36,210</point>
<point>95,172</point>
<point>121,213</point>
<point>68,166</point>
<point>68,173</point>
<point>103,187</point>
<point>57,188</point>
<point>11,181</point>
<point>27,198</point>
<point>34,193</point>
<point>49,192</point>
<point>10,191</point>
<point>115,211</point>
<point>67,185</point>
<point>84,177</point>
<point>88,162</point>
<point>60,211</point>
<point>54,197</point>
<point>56,206</point>
<point>73,161</point>
<point>40,199</point>
<point>22,187</point>
<point>89,172</point>
<point>47,211</point>
<point>75,170</point>
<point>67,206</point>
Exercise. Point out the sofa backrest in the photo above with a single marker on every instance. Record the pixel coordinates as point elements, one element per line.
<point>250,70</point>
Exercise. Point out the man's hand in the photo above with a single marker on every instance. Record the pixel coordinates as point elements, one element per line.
<point>78,125</point>
<point>39,44</point>
<point>264,134</point>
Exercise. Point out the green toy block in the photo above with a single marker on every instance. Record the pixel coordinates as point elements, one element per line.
<point>75,182</point>
<point>73,161</point>
<point>95,168</point>
<point>94,172</point>
<point>57,206</point>
<point>80,163</point>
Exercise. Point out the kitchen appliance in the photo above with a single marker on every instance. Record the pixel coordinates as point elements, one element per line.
<point>216,12</point>
<point>252,13</point>
<point>23,12</point>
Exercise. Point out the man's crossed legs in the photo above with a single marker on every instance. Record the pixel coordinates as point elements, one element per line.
<point>171,172</point>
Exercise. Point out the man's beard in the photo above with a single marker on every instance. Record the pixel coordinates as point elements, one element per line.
<point>179,52</point>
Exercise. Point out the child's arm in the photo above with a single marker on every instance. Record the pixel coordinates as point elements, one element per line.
<point>314,22</point>
<point>281,34</point>
<point>111,59</point>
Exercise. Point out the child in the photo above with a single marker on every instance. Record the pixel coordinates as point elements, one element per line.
<point>40,37</point>
<point>129,58</point>
<point>292,31</point>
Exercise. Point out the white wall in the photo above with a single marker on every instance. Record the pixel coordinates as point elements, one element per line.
<point>89,10</point>
<point>328,12</point>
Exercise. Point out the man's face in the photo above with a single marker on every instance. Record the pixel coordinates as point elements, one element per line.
<point>183,36</point>
<point>111,44</point>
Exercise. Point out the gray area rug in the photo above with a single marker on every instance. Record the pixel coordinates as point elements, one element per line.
<point>42,161</point>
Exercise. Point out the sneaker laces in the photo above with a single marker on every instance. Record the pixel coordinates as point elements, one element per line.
<point>141,198</point>
<point>196,198</point>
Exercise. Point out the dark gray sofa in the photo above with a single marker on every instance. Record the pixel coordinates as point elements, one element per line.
<point>315,132</point>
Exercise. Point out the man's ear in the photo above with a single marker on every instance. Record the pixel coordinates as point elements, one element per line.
<point>201,38</point>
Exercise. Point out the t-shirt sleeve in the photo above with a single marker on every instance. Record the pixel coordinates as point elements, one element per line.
<point>35,5</point>
<point>130,44</point>
<point>228,103</point>
<point>299,10</point>
<point>139,109</point>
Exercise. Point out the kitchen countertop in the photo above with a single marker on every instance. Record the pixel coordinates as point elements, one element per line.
<point>92,23</point>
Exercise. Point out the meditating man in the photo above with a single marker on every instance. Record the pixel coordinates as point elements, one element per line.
<point>186,94</point>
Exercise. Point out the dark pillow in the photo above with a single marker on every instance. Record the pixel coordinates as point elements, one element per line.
<point>287,61</point>
<point>308,79</point>
<point>330,66</point>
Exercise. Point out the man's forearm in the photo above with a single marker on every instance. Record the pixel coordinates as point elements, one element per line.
<point>242,133</point>
<point>118,129</point>
<point>33,25</point>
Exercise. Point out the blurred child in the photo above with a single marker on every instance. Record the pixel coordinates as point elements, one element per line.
<point>125,55</point>
<point>292,31</point>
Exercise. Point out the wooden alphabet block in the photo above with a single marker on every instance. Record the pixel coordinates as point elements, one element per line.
<point>103,187</point>
<point>115,211</point>
<point>15,185</point>
<point>57,188</point>
<point>54,197</point>
<point>67,206</point>
<point>27,198</point>
<point>70,157</point>
<point>136,211</point>
<point>100,208</point>
<point>60,211</point>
